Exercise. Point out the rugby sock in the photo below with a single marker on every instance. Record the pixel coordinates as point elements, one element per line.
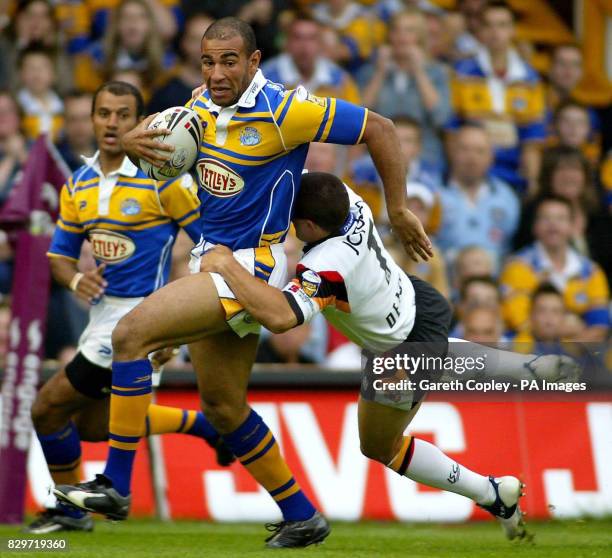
<point>255,447</point>
<point>423,462</point>
<point>129,403</point>
<point>62,451</point>
<point>163,420</point>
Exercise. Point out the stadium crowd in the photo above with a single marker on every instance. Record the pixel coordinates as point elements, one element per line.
<point>509,171</point>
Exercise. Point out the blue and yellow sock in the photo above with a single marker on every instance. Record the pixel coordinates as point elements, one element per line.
<point>130,400</point>
<point>255,447</point>
<point>164,420</point>
<point>62,451</point>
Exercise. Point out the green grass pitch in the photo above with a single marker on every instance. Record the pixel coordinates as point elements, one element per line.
<point>186,539</point>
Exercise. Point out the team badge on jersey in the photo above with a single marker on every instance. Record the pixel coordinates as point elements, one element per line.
<point>110,246</point>
<point>130,206</point>
<point>250,136</point>
<point>310,282</point>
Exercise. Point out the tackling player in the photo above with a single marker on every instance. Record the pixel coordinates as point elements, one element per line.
<point>347,274</point>
<point>256,137</point>
<point>131,223</point>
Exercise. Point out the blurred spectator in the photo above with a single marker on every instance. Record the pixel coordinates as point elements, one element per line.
<point>472,261</point>
<point>566,71</point>
<point>41,106</point>
<point>261,14</point>
<point>477,209</point>
<point>466,44</point>
<point>5,322</point>
<point>13,149</point>
<point>552,259</point>
<point>13,153</point>
<point>366,180</point>
<point>352,32</point>
<point>500,90</point>
<point>78,139</point>
<point>177,91</point>
<point>421,201</point>
<point>303,63</point>
<point>546,320</point>
<point>323,157</point>
<point>482,325</point>
<point>132,42</point>
<point>566,173</point>
<point>479,291</point>
<point>405,81</point>
<point>167,14</point>
<point>572,126</point>
<point>35,24</point>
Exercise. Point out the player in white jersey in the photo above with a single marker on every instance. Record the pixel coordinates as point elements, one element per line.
<point>347,274</point>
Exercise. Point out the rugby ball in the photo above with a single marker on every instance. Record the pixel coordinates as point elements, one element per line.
<point>185,135</point>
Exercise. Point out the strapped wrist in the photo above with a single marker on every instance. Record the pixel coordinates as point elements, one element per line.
<point>74,282</point>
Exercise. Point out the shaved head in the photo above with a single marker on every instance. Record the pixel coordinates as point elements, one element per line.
<point>230,27</point>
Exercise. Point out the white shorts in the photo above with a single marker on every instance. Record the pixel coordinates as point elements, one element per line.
<point>268,263</point>
<point>95,342</point>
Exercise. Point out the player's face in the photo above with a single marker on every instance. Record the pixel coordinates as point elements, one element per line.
<point>306,230</point>
<point>547,317</point>
<point>113,117</point>
<point>226,69</point>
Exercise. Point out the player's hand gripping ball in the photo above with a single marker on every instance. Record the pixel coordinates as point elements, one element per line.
<point>185,136</point>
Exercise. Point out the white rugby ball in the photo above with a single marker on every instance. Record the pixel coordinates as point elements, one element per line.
<point>185,135</point>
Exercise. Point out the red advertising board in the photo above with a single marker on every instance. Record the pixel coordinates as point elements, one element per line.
<point>562,450</point>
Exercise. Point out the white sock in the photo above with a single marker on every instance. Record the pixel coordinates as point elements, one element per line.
<point>499,363</point>
<point>431,467</point>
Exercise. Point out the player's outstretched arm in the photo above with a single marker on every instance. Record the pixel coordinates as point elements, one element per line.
<point>266,304</point>
<point>383,143</point>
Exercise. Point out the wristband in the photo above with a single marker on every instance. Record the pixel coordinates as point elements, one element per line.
<point>74,282</point>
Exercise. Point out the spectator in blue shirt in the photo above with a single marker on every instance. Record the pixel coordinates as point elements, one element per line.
<point>477,209</point>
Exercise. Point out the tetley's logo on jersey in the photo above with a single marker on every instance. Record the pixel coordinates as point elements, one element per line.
<point>110,246</point>
<point>219,179</point>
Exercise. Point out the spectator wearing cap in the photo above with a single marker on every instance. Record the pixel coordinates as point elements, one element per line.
<point>421,200</point>
<point>405,80</point>
<point>477,208</point>
<point>502,92</point>
<point>552,259</point>
<point>303,62</point>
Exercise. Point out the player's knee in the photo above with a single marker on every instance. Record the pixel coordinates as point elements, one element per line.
<point>91,431</point>
<point>373,450</point>
<point>221,414</point>
<point>126,339</point>
<point>47,411</point>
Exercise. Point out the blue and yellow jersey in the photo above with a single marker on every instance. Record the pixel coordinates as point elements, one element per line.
<point>586,293</point>
<point>252,156</point>
<point>512,109</point>
<point>131,222</point>
<point>41,119</point>
<point>328,79</point>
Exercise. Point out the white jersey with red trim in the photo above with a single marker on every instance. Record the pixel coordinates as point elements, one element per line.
<point>355,283</point>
